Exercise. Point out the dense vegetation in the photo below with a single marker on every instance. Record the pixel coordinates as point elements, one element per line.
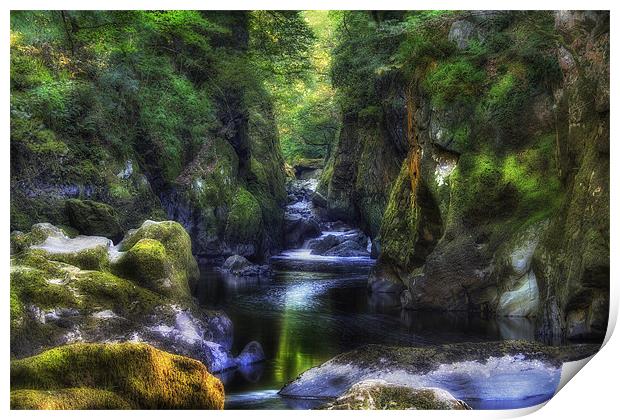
<point>143,110</point>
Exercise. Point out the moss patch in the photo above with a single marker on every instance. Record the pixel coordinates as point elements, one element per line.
<point>67,399</point>
<point>245,217</point>
<point>139,374</point>
<point>93,218</point>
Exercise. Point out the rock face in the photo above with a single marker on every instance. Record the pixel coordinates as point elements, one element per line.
<point>381,395</point>
<point>84,289</point>
<point>468,371</point>
<point>493,198</point>
<point>112,376</point>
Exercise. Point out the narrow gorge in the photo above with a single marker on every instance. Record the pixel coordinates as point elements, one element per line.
<point>306,210</point>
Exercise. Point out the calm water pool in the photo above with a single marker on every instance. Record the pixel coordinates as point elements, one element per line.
<point>303,318</point>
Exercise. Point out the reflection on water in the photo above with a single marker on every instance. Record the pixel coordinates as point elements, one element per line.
<point>303,319</point>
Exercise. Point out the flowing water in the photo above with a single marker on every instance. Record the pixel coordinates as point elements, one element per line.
<point>316,307</point>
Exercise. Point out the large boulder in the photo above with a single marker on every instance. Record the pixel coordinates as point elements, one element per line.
<point>93,218</point>
<point>468,371</point>
<point>160,249</point>
<point>66,290</point>
<point>321,245</point>
<point>238,266</point>
<point>382,395</point>
<point>328,245</point>
<point>112,376</point>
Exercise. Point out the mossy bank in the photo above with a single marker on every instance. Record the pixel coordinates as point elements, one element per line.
<point>476,156</point>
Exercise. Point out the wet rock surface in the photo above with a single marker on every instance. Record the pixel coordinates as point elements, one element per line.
<point>239,266</point>
<point>300,219</point>
<point>462,369</point>
<point>251,353</point>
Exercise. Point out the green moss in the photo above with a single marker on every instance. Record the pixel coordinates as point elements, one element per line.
<point>455,81</point>
<point>17,308</point>
<point>143,376</point>
<point>31,285</point>
<point>521,185</point>
<point>377,395</point>
<point>147,263</point>
<point>398,234</point>
<point>67,399</point>
<point>244,221</point>
<point>173,255</point>
<point>100,290</point>
<point>93,218</point>
<point>95,258</point>
<point>119,191</point>
<point>259,172</point>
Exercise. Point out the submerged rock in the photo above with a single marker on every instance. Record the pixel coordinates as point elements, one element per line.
<point>239,266</point>
<point>381,395</point>
<point>251,353</point>
<point>112,376</point>
<point>468,371</point>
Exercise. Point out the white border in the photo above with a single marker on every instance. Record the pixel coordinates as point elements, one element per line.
<point>593,395</point>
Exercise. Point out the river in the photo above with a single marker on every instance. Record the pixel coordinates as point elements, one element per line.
<point>313,308</point>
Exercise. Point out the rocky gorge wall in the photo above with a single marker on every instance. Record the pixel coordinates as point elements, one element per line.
<point>484,185</point>
<point>104,150</point>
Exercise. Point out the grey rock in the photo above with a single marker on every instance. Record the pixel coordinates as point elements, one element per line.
<point>251,353</point>
<point>465,369</point>
<point>462,32</point>
<point>348,248</point>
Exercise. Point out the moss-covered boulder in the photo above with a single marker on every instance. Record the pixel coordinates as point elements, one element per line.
<point>112,376</point>
<point>160,252</point>
<point>61,293</point>
<point>93,218</point>
<point>382,395</point>
<point>67,399</point>
<point>85,252</point>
